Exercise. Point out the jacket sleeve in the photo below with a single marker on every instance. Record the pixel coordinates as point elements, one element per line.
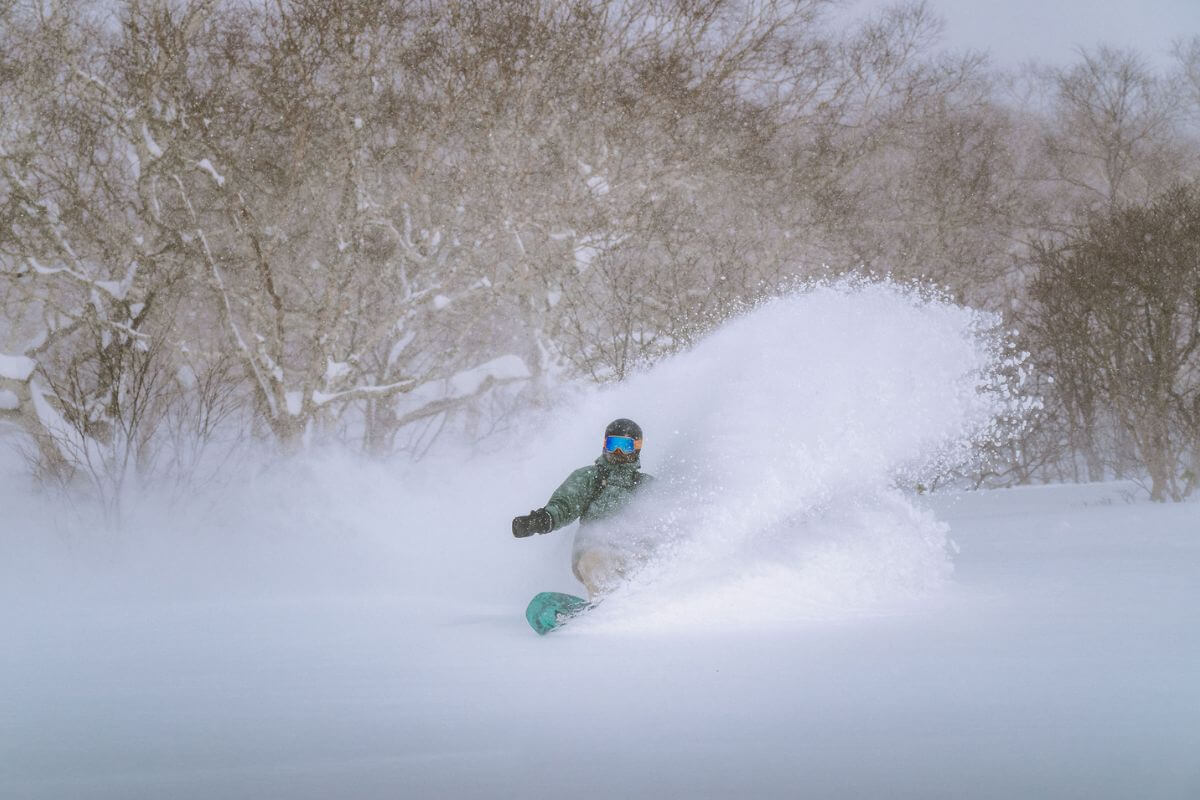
<point>569,499</point>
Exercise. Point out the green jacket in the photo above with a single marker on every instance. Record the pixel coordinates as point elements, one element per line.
<point>594,492</point>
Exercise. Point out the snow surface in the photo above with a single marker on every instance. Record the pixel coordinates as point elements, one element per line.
<point>332,628</point>
<point>16,368</point>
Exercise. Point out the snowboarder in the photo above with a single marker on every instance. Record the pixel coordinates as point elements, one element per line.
<point>590,494</point>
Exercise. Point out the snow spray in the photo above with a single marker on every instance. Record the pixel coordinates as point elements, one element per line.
<point>787,447</point>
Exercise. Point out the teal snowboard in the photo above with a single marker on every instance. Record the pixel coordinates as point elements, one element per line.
<point>550,610</point>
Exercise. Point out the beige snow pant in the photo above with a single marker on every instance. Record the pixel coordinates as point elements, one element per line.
<point>599,569</point>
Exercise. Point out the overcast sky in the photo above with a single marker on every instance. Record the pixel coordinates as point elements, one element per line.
<point>1014,31</point>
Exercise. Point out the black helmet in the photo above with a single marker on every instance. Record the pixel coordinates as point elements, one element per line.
<point>622,441</point>
<point>623,427</point>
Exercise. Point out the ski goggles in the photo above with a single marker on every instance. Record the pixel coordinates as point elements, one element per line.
<point>625,444</point>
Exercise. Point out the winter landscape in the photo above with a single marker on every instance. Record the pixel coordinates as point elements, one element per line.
<point>301,305</point>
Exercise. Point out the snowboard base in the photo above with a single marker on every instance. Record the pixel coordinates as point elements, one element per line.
<point>550,610</point>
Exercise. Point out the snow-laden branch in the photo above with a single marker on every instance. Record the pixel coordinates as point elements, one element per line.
<point>207,166</point>
<point>41,213</point>
<point>450,403</point>
<point>152,146</point>
<point>226,307</point>
<point>437,397</point>
<point>362,392</point>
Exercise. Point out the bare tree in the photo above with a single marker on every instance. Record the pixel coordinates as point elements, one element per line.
<point>1120,310</point>
<point>1113,133</point>
<point>372,222</point>
<point>83,270</point>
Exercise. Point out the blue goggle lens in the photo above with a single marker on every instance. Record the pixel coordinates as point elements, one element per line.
<point>626,444</point>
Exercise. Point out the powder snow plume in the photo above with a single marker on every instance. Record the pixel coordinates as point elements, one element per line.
<point>781,443</point>
<point>778,443</point>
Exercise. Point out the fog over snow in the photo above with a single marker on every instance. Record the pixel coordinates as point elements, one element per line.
<point>806,625</point>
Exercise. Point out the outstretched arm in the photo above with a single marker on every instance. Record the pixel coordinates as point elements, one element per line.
<point>563,508</point>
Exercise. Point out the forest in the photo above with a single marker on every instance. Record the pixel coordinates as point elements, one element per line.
<point>377,225</point>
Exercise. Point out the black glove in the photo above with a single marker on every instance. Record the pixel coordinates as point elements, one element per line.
<point>536,521</point>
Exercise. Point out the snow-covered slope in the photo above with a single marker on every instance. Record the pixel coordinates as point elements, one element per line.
<point>328,628</point>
